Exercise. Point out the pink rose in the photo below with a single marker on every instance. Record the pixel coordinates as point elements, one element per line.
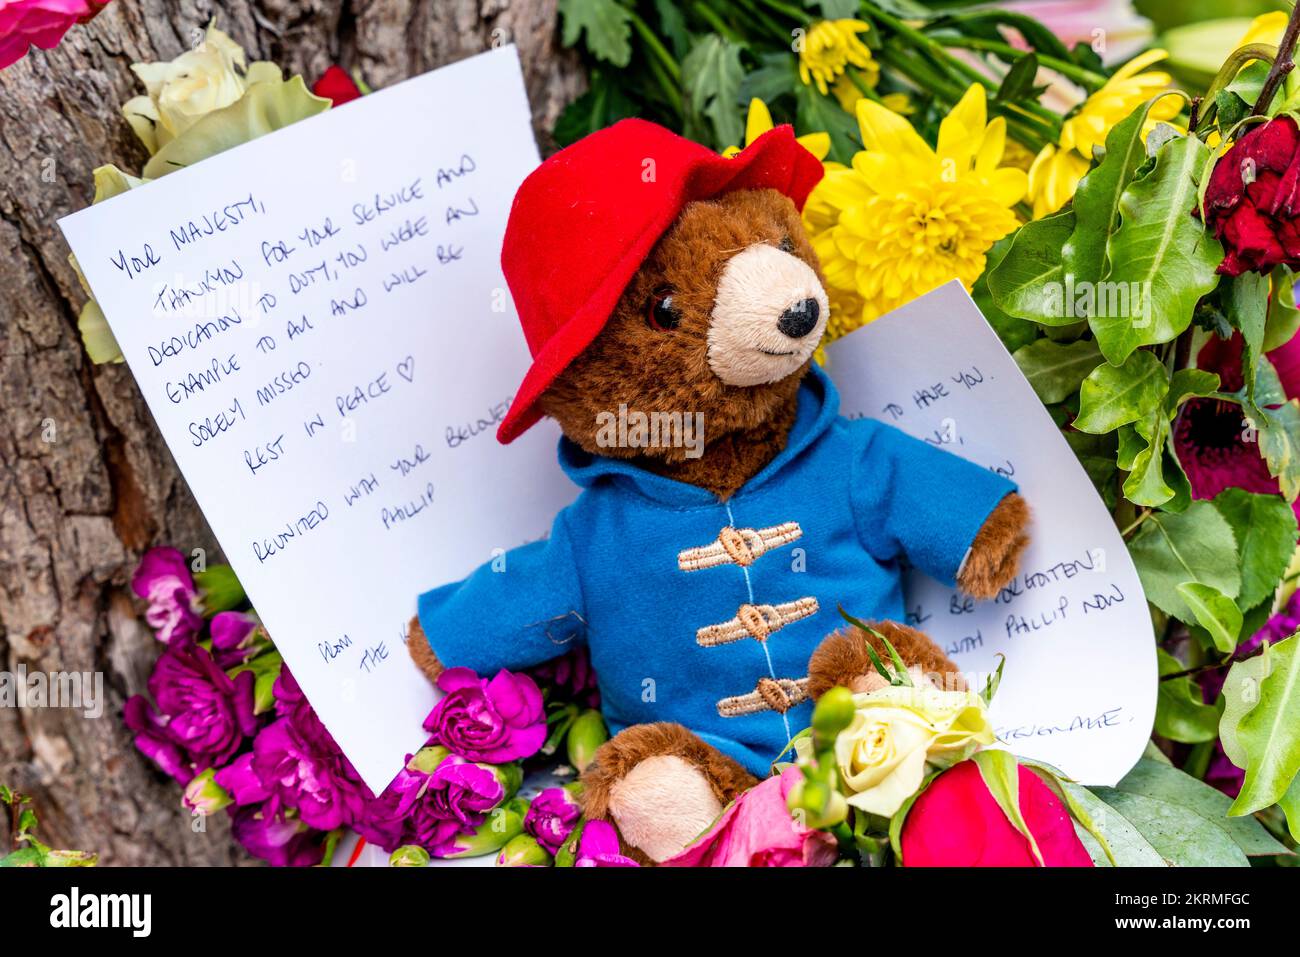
<point>39,22</point>
<point>756,830</point>
<point>491,721</point>
<point>957,823</point>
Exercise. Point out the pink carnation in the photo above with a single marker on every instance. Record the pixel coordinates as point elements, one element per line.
<point>39,22</point>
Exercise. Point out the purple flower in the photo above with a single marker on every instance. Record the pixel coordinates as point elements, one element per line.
<point>234,638</point>
<point>598,847</point>
<point>493,721</point>
<point>200,710</point>
<point>311,775</point>
<point>163,579</point>
<point>153,741</point>
<point>571,676</point>
<point>241,781</point>
<point>276,837</point>
<point>291,703</point>
<point>551,817</point>
<point>463,791</point>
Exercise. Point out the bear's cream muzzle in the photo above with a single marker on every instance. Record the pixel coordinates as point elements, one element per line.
<point>768,316</point>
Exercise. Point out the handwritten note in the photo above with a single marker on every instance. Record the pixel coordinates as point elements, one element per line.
<point>320,326</point>
<point>1079,686</point>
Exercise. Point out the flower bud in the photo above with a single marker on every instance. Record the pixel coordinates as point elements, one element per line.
<point>832,714</point>
<point>510,775</point>
<point>523,851</point>
<point>817,805</point>
<point>502,825</point>
<point>409,855</point>
<point>587,734</point>
<point>427,759</point>
<point>205,796</point>
<point>221,589</point>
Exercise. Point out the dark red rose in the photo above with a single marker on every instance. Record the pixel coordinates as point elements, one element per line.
<point>336,85</point>
<point>1253,199</point>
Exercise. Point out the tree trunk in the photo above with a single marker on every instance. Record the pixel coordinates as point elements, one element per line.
<point>86,483</point>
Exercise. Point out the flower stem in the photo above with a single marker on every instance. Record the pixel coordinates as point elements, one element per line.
<point>1146,513</point>
<point>1084,77</point>
<point>1283,64</point>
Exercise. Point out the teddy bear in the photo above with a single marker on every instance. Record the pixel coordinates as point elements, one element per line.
<point>731,510</point>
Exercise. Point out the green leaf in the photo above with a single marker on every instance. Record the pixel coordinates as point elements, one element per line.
<point>1097,197</point>
<point>815,113</point>
<point>1181,714</point>
<point>1019,82</point>
<point>1160,253</point>
<point>1164,782</point>
<point>221,589</point>
<point>711,74</point>
<point>1146,485</point>
<point>1283,316</point>
<point>1265,529</point>
<point>1278,434</point>
<point>1001,773</point>
<point>1246,308</point>
<point>1195,546</point>
<point>1189,383</point>
<point>1290,805</point>
<point>1014,332</point>
<point>1114,395</point>
<point>1028,283</point>
<point>1268,734</point>
<point>1055,371</point>
<point>1179,834</point>
<point>1215,612</point>
<point>607,25</point>
<point>264,108</point>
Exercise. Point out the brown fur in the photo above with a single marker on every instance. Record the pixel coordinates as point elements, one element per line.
<point>842,657</point>
<point>617,756</point>
<point>417,643</point>
<point>649,370</point>
<point>995,553</point>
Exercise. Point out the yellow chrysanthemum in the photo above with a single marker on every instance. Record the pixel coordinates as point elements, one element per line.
<point>1053,178</point>
<point>1123,93</point>
<point>759,121</point>
<point>830,47</point>
<point>907,217</point>
<point>1265,28</point>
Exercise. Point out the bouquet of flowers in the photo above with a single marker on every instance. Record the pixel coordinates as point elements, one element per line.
<point>1133,243</point>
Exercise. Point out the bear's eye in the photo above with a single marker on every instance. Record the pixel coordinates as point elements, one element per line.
<point>661,314</point>
<point>787,244</point>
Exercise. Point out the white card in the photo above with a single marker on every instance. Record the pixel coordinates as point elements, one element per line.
<point>320,326</point>
<point>1079,687</point>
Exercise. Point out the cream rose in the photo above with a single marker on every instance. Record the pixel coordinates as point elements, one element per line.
<point>196,83</point>
<point>896,734</point>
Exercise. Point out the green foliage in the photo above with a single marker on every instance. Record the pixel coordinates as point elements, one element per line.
<point>1215,612</point>
<point>606,24</point>
<point>1112,395</point>
<point>27,850</point>
<point>711,74</point>
<point>1194,546</point>
<point>1181,715</point>
<point>1264,527</point>
<point>1260,729</point>
<point>1056,370</point>
<point>1022,283</point>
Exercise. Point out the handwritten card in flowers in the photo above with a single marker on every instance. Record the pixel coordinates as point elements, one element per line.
<point>320,326</point>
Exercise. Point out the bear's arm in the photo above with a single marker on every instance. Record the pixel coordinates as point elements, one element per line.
<point>518,610</point>
<point>960,523</point>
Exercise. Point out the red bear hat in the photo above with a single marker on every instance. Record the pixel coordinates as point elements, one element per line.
<point>584,221</point>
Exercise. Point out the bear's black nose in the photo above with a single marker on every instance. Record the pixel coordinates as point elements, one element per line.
<point>797,321</point>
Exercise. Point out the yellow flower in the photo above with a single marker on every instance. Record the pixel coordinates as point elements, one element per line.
<point>907,217</point>
<point>896,735</point>
<point>1265,28</point>
<point>1124,92</point>
<point>829,48</point>
<point>209,77</point>
<point>1053,178</point>
<point>759,122</point>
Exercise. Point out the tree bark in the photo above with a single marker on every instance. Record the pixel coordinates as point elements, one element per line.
<point>86,483</point>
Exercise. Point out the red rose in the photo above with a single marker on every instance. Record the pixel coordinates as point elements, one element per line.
<point>1253,198</point>
<point>336,85</point>
<point>957,823</point>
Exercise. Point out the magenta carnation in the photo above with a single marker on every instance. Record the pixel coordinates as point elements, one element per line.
<point>493,721</point>
<point>310,775</point>
<point>551,817</point>
<point>276,837</point>
<point>164,581</point>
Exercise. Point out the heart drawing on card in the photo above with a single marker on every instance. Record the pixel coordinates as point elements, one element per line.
<point>406,368</point>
